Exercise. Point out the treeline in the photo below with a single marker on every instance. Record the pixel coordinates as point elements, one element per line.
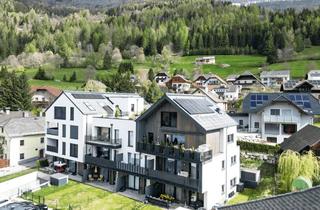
<point>187,26</point>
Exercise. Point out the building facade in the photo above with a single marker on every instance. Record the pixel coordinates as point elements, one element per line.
<point>274,78</point>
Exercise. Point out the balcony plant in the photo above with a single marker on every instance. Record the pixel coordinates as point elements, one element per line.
<point>167,197</point>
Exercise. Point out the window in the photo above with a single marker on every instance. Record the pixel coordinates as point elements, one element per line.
<point>59,113</point>
<point>21,156</point>
<point>71,113</point>
<point>232,182</point>
<point>130,138</point>
<point>63,130</point>
<point>169,119</point>
<point>42,140</point>
<point>130,159</point>
<point>73,132</point>
<point>21,142</point>
<point>275,112</point>
<point>222,189</point>
<point>74,150</point>
<point>222,165</point>
<point>63,148</point>
<point>256,125</point>
<point>233,160</point>
<point>230,138</point>
<point>241,122</point>
<point>116,134</point>
<point>132,107</point>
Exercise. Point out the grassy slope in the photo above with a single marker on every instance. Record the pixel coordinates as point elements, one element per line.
<point>87,197</point>
<point>15,175</point>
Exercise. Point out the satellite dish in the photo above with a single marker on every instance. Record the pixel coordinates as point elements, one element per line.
<point>301,183</point>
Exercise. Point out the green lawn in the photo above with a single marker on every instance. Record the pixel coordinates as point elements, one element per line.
<point>266,187</point>
<point>82,196</point>
<point>15,175</point>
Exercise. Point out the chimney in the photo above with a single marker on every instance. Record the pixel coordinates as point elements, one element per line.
<point>7,110</point>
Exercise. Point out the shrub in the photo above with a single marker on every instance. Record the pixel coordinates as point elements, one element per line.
<point>256,147</point>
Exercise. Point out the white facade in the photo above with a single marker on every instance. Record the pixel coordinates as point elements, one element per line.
<point>274,78</point>
<point>314,75</point>
<point>206,60</point>
<point>278,121</point>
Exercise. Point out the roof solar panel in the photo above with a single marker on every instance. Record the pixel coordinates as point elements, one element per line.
<point>87,96</point>
<point>195,106</point>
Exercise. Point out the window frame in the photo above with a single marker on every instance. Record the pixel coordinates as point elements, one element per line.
<point>275,112</point>
<point>63,113</point>
<point>130,139</point>
<point>22,142</point>
<point>170,123</point>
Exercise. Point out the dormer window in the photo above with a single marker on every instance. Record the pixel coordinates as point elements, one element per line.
<point>169,119</point>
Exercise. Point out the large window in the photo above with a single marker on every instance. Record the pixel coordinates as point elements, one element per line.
<point>275,112</point>
<point>59,113</point>
<point>130,138</point>
<point>74,150</point>
<point>169,119</point>
<point>63,148</point>
<point>71,113</point>
<point>230,138</point>
<point>73,132</point>
<point>116,134</point>
<point>63,130</point>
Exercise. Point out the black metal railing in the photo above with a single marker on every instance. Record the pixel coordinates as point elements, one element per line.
<point>53,131</point>
<point>161,176</point>
<point>174,152</point>
<point>52,148</point>
<point>101,140</point>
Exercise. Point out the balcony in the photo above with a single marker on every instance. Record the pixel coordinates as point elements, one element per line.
<point>53,131</point>
<point>174,153</point>
<point>160,176</point>
<point>52,149</point>
<point>280,119</point>
<point>104,141</point>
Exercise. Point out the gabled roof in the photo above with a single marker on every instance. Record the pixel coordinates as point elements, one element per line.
<point>314,73</point>
<point>302,200</point>
<point>283,73</point>
<point>24,126</point>
<point>161,74</point>
<point>291,85</point>
<point>199,108</point>
<point>307,136</point>
<point>52,90</point>
<point>305,102</point>
<point>211,94</point>
<point>249,74</point>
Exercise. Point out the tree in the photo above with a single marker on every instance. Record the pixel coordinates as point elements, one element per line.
<point>73,77</point>
<point>151,74</point>
<point>107,60</point>
<point>272,57</point>
<point>64,78</point>
<point>90,73</point>
<point>125,66</point>
<point>42,75</point>
<point>24,92</point>
<point>153,93</point>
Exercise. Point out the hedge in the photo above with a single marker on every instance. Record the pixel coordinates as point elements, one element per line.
<point>260,148</point>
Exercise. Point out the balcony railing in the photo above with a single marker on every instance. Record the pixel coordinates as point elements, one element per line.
<point>161,176</point>
<point>103,141</point>
<point>52,148</point>
<point>280,118</point>
<point>53,131</point>
<point>173,152</point>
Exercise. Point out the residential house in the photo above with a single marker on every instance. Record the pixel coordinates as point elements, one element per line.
<point>231,78</point>
<point>228,92</point>
<point>222,104</point>
<point>274,78</point>
<point>91,131</point>
<point>161,78</point>
<point>304,86</point>
<point>208,82</point>
<point>276,116</point>
<point>21,136</point>
<point>206,60</point>
<point>179,84</point>
<point>302,200</point>
<point>313,75</point>
<point>192,148</point>
<point>43,96</point>
<point>308,138</point>
<point>247,80</point>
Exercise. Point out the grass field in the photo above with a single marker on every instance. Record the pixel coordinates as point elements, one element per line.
<point>266,187</point>
<point>81,196</point>
<point>15,175</point>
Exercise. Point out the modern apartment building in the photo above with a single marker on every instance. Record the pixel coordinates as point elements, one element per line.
<point>183,145</point>
<point>274,78</point>
<point>191,150</point>
<point>276,116</point>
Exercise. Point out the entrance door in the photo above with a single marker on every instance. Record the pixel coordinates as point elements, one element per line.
<point>41,153</point>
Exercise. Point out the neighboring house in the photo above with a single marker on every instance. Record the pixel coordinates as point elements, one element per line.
<point>301,200</point>
<point>22,137</point>
<point>206,60</point>
<point>313,75</point>
<point>161,78</point>
<point>242,119</point>
<point>179,84</point>
<point>95,86</point>
<point>308,138</point>
<point>231,78</point>
<point>274,78</point>
<point>247,80</point>
<point>43,96</point>
<point>276,116</point>
<point>304,86</point>
<point>222,104</point>
<point>192,150</point>
<point>208,81</point>
<point>228,92</point>
<point>84,126</point>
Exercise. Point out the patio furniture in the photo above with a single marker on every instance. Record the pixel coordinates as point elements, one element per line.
<point>90,177</point>
<point>101,178</point>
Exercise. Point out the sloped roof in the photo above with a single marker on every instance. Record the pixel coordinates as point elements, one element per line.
<point>275,73</point>
<point>211,94</point>
<point>24,126</point>
<point>314,73</point>
<point>307,136</point>
<point>52,90</point>
<point>302,200</point>
<point>292,84</point>
<point>305,102</point>
<point>201,109</point>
